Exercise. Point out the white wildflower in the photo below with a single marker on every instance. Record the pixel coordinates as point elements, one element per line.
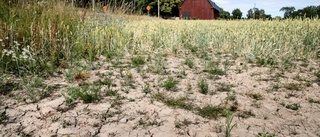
<point>16,43</point>
<point>6,38</point>
<point>1,40</point>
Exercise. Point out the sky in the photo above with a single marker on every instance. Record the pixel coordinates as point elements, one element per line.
<point>270,6</point>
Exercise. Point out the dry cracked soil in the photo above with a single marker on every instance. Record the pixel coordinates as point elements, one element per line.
<point>137,99</point>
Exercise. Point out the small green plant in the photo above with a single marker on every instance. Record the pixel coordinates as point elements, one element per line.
<point>85,93</point>
<point>256,104</point>
<point>189,63</point>
<point>274,88</point>
<point>7,87</point>
<point>224,87</point>
<point>203,86</point>
<point>317,74</point>
<point>170,84</point>
<point>55,119</point>
<point>146,89</point>
<point>210,112</point>
<point>262,61</point>
<point>314,101</point>
<point>157,65</point>
<point>146,123</point>
<point>213,68</point>
<point>177,124</point>
<point>217,71</point>
<point>229,125</point>
<point>3,117</point>
<point>263,133</point>
<point>255,96</point>
<point>292,86</point>
<point>246,114</point>
<point>294,106</point>
<point>179,103</point>
<point>137,61</point>
<point>110,92</point>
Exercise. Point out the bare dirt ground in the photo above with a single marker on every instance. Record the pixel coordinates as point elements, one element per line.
<point>264,100</point>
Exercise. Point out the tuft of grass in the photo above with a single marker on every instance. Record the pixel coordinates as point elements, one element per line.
<point>246,114</point>
<point>146,89</point>
<point>203,86</point>
<point>189,63</point>
<point>224,87</point>
<point>157,65</point>
<point>292,86</point>
<point>294,106</point>
<point>217,71</point>
<point>317,74</point>
<point>170,84</point>
<point>213,69</point>
<point>7,87</point>
<point>314,101</point>
<point>255,96</point>
<point>86,93</point>
<point>214,112</point>
<point>137,61</point>
<point>3,117</point>
<point>178,103</point>
<point>261,61</point>
<point>263,133</point>
<point>229,125</point>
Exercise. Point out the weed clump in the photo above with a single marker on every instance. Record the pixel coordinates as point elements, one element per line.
<point>170,84</point>
<point>203,86</point>
<point>214,112</point>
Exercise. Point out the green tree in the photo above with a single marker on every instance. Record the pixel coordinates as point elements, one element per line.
<point>256,13</point>
<point>288,11</point>
<point>224,14</point>
<point>250,14</point>
<point>236,14</point>
<point>169,7</point>
<point>310,11</point>
<point>318,11</point>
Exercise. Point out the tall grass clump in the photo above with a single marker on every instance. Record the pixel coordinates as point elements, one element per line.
<point>35,36</point>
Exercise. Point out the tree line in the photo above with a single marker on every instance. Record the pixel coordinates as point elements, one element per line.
<point>170,8</point>
<point>307,12</point>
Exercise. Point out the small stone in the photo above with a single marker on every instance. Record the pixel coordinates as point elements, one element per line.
<point>315,85</point>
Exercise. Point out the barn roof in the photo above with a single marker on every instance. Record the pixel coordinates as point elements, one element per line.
<point>214,5</point>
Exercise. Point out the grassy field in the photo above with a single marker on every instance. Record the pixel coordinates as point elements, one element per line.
<point>124,75</point>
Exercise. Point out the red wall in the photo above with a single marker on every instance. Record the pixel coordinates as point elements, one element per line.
<point>201,9</point>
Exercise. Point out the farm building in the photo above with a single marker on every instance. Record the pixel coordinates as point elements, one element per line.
<point>198,9</point>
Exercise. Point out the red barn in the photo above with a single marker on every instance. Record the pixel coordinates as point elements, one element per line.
<point>198,9</point>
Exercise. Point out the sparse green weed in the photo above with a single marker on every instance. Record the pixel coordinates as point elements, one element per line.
<point>263,133</point>
<point>170,84</point>
<point>255,96</point>
<point>294,106</point>
<point>229,125</point>
<point>137,61</point>
<point>146,89</point>
<point>224,87</point>
<point>292,86</point>
<point>246,114</point>
<point>203,86</point>
<point>189,63</point>
<point>210,112</point>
